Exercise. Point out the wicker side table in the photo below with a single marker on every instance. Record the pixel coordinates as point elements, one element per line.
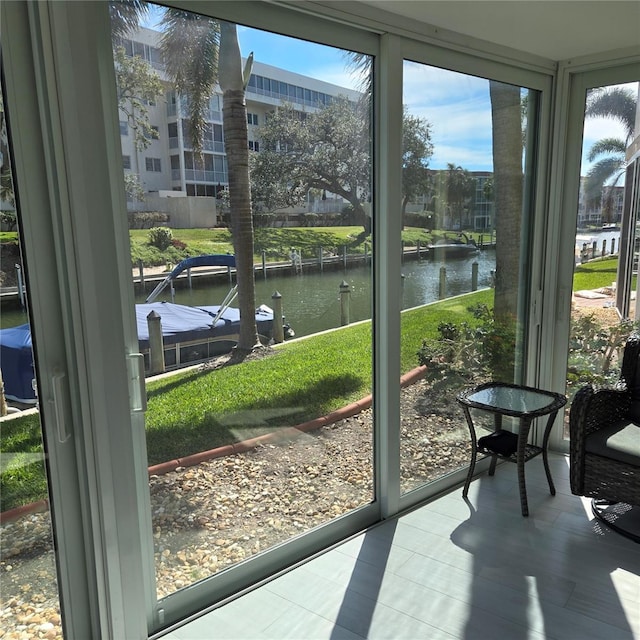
<point>524,403</point>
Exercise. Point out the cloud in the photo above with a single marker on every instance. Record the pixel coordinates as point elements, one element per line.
<point>459,110</point>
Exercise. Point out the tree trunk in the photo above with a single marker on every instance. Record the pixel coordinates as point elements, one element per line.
<point>234,118</point>
<point>508,189</point>
<point>508,192</point>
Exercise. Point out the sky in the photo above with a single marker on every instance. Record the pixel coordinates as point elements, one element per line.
<point>456,105</point>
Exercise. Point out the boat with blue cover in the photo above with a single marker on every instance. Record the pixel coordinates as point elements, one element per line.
<point>189,334</point>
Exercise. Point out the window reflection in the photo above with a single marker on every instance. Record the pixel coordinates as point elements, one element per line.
<point>469,225</point>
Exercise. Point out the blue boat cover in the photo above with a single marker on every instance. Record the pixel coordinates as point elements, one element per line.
<point>16,362</point>
<point>181,323</point>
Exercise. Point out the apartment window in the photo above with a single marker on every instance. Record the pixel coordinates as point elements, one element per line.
<point>254,145</point>
<point>126,162</point>
<point>153,164</point>
<point>252,118</point>
<point>124,128</point>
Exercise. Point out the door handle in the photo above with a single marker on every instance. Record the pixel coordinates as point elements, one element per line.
<point>137,387</point>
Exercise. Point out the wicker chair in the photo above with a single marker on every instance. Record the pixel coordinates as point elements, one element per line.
<point>605,441</point>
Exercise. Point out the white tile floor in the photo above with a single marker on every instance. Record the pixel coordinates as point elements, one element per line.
<point>450,569</point>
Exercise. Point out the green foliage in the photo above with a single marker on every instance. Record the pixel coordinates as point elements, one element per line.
<point>23,473</point>
<point>8,220</point>
<point>594,351</point>
<point>147,219</point>
<point>137,86</point>
<point>328,149</point>
<point>479,348</point>
<point>152,256</point>
<point>133,188</point>
<point>417,150</point>
<point>160,237</point>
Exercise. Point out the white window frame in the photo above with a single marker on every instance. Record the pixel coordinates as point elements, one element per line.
<point>82,170</point>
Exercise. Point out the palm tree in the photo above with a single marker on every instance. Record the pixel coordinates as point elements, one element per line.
<point>507,188</point>
<point>199,52</point>
<point>616,103</point>
<point>460,188</point>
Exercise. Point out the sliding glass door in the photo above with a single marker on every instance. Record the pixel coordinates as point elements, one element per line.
<point>241,456</point>
<point>469,204</point>
<point>189,470</point>
<point>602,191</point>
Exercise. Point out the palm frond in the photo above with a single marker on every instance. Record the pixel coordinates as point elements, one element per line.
<point>607,146</point>
<point>607,171</point>
<point>190,47</point>
<point>617,103</point>
<point>360,65</point>
<point>126,15</point>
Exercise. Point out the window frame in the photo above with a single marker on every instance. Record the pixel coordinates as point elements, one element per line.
<point>121,590</point>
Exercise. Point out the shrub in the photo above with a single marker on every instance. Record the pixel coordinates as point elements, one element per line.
<point>160,237</point>
<point>147,219</point>
<point>8,220</point>
<point>484,350</point>
<point>594,351</point>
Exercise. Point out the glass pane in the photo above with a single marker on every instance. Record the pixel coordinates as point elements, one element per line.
<point>29,596</point>
<point>607,243</point>
<point>241,455</point>
<point>466,144</point>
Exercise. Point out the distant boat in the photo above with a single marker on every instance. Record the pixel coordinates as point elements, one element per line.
<point>459,247</point>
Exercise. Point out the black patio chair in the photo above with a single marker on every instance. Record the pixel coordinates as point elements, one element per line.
<point>605,446</point>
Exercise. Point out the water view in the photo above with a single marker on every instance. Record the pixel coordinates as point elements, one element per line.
<point>311,301</point>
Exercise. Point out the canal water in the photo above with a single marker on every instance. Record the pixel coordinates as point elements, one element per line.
<point>311,301</point>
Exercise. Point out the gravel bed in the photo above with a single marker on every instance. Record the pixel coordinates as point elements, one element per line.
<point>223,511</point>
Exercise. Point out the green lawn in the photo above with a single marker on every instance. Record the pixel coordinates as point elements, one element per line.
<point>195,411</point>
<point>597,274</point>
<point>275,242</point>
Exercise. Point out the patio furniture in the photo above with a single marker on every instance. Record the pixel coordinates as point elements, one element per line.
<point>525,403</point>
<point>605,446</point>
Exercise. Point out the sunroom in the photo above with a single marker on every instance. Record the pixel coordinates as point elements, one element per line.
<point>357,528</point>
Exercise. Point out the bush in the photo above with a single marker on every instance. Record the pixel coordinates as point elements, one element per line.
<point>147,219</point>
<point>484,350</point>
<point>8,220</point>
<point>595,350</point>
<point>160,237</point>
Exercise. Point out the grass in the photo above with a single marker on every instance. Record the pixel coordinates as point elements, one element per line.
<point>597,274</point>
<point>276,243</point>
<point>196,411</point>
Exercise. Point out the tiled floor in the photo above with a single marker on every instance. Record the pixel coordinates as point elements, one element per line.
<point>452,569</point>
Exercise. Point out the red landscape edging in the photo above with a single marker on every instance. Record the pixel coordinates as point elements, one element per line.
<point>239,447</point>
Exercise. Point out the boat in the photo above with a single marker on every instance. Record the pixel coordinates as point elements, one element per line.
<point>189,334</point>
<point>195,334</point>
<point>459,247</point>
<point>16,362</point>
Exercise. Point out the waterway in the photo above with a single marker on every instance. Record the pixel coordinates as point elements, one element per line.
<point>311,301</point>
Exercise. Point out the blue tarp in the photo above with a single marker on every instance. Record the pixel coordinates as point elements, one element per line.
<point>16,362</point>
